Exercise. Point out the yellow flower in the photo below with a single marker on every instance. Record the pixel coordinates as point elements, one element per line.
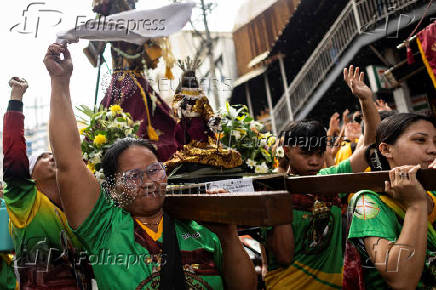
<point>116,109</point>
<point>243,132</point>
<point>91,166</point>
<point>271,141</point>
<point>265,152</point>
<point>100,139</point>
<point>82,130</point>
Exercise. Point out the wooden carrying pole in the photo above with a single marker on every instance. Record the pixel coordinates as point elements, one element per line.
<point>250,209</point>
<point>352,182</point>
<point>275,206</point>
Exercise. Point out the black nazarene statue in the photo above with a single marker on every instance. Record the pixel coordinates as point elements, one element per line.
<point>129,87</point>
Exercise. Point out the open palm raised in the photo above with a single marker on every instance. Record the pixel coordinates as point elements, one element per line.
<point>354,79</point>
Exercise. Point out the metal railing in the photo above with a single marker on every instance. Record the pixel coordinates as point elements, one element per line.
<point>357,17</point>
<point>281,109</point>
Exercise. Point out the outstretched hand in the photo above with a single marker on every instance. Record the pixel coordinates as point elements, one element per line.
<point>57,67</point>
<point>382,106</point>
<point>19,87</point>
<point>334,125</point>
<point>355,81</point>
<point>345,117</point>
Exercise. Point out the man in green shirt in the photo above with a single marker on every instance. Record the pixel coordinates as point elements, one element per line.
<point>37,222</point>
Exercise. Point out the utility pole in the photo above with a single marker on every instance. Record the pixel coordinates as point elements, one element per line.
<point>211,54</point>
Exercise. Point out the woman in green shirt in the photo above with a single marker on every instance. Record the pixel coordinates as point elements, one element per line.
<point>135,246</point>
<point>393,231</point>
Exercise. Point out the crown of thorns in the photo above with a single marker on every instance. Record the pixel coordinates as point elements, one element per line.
<point>188,64</point>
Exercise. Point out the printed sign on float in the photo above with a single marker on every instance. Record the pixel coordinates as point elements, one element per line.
<point>233,185</point>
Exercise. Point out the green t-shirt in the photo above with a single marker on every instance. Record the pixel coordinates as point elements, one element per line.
<point>123,256</point>
<point>36,223</point>
<point>42,239</point>
<point>315,269</point>
<point>373,218</point>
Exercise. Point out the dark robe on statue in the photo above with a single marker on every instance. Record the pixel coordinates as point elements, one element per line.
<point>124,91</point>
<point>129,62</point>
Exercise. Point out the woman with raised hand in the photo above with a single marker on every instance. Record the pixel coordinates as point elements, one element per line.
<point>393,231</point>
<point>136,246</point>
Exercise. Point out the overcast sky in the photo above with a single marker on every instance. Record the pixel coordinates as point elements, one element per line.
<point>23,48</point>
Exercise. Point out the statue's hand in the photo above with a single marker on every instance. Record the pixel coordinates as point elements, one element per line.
<point>215,124</point>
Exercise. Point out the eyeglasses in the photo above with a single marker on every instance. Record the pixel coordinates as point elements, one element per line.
<point>135,177</point>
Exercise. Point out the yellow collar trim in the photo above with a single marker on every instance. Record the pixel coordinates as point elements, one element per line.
<point>192,92</point>
<point>154,235</point>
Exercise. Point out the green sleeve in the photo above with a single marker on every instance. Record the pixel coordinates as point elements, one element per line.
<point>343,167</point>
<point>95,231</point>
<point>20,196</point>
<point>218,254</point>
<point>372,218</point>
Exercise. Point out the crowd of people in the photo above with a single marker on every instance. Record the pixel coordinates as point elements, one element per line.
<point>69,234</point>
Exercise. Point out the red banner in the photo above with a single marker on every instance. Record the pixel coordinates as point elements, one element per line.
<point>426,40</point>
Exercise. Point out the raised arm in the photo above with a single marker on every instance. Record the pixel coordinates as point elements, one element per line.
<point>15,162</point>
<point>282,244</point>
<point>371,117</point>
<point>20,190</point>
<point>332,140</point>
<point>237,269</point>
<point>78,187</point>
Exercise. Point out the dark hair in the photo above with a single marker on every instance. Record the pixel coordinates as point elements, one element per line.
<point>309,135</point>
<point>387,114</point>
<point>389,131</point>
<point>391,128</point>
<point>110,158</point>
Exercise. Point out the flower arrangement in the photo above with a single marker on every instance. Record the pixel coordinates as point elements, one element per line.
<point>102,129</point>
<point>242,133</point>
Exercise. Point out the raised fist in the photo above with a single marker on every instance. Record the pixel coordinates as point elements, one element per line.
<point>57,67</point>
<point>19,87</point>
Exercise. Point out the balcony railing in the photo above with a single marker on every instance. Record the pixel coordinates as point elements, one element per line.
<point>357,17</point>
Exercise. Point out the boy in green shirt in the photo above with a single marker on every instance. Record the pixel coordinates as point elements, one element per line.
<point>309,253</point>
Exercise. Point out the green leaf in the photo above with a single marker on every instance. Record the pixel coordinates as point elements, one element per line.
<point>248,119</point>
<point>85,110</point>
